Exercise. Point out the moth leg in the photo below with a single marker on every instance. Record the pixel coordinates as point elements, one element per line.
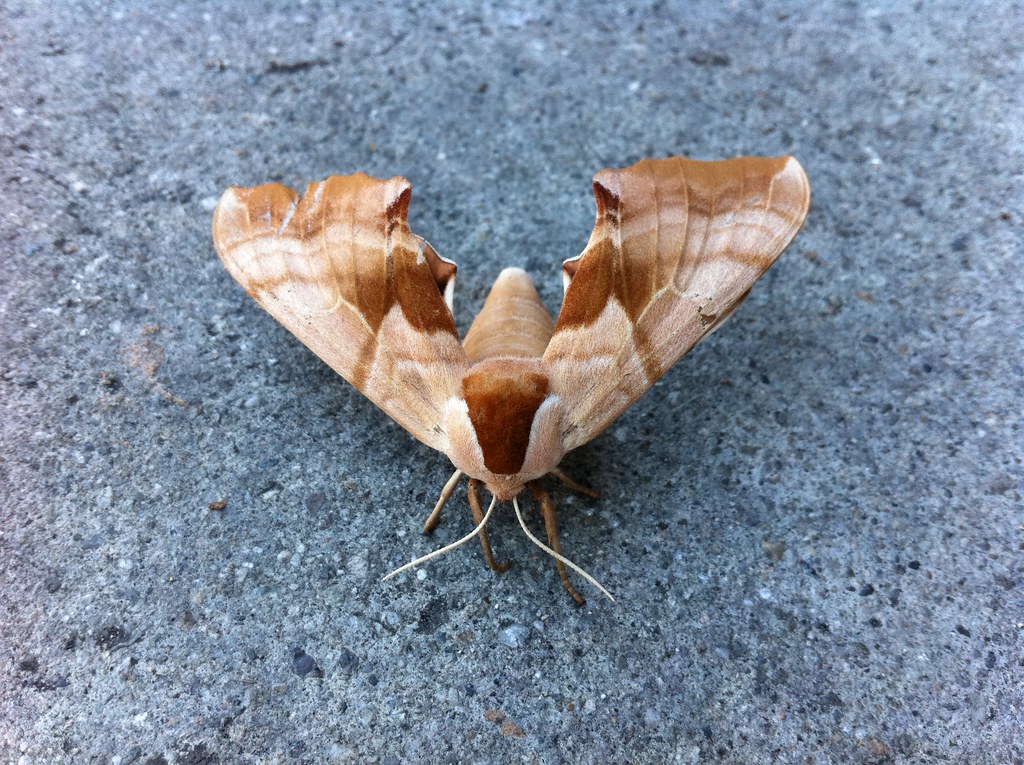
<point>478,516</point>
<point>547,507</point>
<point>446,493</point>
<point>578,488</point>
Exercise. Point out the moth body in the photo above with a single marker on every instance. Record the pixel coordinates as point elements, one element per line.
<point>505,429</point>
<point>675,249</point>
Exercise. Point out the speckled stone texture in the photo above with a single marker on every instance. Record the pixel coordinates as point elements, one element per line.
<point>813,524</point>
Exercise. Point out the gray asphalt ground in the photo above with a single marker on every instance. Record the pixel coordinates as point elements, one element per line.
<point>813,524</point>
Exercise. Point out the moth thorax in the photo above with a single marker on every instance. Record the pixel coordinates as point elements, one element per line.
<point>506,427</point>
<point>503,398</point>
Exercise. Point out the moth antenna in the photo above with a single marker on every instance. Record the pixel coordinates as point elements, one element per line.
<point>553,554</point>
<point>446,493</point>
<point>448,548</point>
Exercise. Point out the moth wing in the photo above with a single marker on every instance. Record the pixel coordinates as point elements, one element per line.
<point>341,270</point>
<point>676,248</point>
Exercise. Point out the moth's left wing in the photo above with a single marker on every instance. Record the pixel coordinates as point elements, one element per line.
<point>676,247</point>
<point>341,270</point>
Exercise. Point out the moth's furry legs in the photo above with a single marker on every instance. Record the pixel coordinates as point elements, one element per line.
<point>558,556</point>
<point>446,493</point>
<point>578,488</point>
<point>550,512</point>
<point>477,507</point>
<point>447,548</point>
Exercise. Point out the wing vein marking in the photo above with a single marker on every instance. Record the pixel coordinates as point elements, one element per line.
<point>336,278</point>
<point>735,228</point>
<point>681,254</point>
<point>288,217</point>
<point>716,203</point>
<point>768,199</point>
<point>654,278</point>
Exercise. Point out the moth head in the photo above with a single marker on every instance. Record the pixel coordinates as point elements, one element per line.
<point>506,428</point>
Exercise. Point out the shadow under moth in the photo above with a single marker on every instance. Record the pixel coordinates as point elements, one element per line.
<point>676,248</point>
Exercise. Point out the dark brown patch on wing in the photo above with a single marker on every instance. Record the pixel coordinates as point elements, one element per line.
<point>648,353</point>
<point>356,230</point>
<point>596,267</point>
<point>502,410</point>
<point>364,363</point>
<point>581,307</point>
<point>639,210</point>
<point>416,291</point>
<point>604,268</point>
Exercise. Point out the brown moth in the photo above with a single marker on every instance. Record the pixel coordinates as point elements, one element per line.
<point>676,248</point>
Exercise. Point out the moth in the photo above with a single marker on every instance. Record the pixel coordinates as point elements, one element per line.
<point>677,245</point>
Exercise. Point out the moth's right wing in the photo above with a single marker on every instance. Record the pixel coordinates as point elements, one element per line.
<point>675,250</point>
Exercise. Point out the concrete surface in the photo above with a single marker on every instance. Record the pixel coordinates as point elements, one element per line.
<point>813,525</point>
